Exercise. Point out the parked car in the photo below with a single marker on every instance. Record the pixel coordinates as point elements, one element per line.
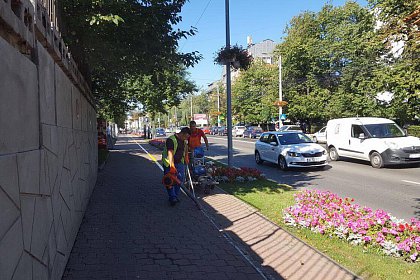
<point>178,129</point>
<point>214,130</point>
<point>253,132</point>
<point>222,131</point>
<point>160,132</point>
<point>378,140</point>
<point>238,130</point>
<point>320,136</point>
<point>290,128</point>
<point>205,129</point>
<point>289,149</point>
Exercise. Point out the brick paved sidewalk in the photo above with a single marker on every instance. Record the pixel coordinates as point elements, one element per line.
<point>130,232</point>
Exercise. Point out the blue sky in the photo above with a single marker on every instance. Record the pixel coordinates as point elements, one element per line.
<point>261,19</point>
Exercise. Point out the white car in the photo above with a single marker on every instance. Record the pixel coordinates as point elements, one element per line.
<point>289,149</point>
<point>178,129</point>
<point>290,128</point>
<point>238,130</point>
<point>320,136</point>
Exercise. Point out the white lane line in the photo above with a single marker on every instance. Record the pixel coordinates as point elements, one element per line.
<point>411,182</point>
<point>152,157</point>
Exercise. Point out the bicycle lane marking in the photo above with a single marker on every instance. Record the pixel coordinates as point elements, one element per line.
<point>151,156</point>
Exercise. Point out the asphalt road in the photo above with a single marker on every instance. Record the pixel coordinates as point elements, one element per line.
<point>395,190</point>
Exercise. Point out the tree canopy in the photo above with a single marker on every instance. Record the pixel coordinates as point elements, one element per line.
<point>400,74</point>
<point>329,60</point>
<point>131,48</point>
<point>254,93</point>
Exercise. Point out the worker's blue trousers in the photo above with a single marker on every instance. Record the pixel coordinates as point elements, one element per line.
<point>174,191</point>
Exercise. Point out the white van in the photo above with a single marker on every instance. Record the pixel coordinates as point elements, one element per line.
<point>378,140</point>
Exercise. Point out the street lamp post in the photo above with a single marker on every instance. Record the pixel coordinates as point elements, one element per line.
<point>280,94</point>
<point>218,106</point>
<point>228,90</point>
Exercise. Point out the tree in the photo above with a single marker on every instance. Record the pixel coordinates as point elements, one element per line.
<point>400,74</point>
<point>254,93</point>
<point>329,60</point>
<point>131,47</point>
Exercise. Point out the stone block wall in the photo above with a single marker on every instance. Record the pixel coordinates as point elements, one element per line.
<point>48,146</point>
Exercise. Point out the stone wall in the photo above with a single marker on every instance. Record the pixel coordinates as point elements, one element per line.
<point>48,145</point>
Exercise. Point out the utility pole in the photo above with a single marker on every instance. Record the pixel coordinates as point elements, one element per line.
<point>218,105</point>
<point>228,90</point>
<point>280,95</point>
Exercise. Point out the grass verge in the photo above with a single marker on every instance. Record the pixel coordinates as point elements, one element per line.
<point>271,199</point>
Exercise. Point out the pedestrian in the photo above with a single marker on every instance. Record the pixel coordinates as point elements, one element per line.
<point>109,139</point>
<point>303,126</point>
<point>195,139</point>
<point>174,159</point>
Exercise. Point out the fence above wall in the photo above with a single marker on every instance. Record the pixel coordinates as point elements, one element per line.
<point>17,24</point>
<point>22,23</point>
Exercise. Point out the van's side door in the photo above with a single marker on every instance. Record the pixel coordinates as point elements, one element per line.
<point>356,142</point>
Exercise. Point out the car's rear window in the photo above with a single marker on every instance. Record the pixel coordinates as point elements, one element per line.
<point>294,128</point>
<point>293,138</point>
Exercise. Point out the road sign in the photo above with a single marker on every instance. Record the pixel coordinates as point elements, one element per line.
<point>283,117</point>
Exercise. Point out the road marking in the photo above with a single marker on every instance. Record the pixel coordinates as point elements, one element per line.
<point>152,157</point>
<point>411,182</point>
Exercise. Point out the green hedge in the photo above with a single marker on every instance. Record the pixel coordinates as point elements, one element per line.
<point>414,130</point>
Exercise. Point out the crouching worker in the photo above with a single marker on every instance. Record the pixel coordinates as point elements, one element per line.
<point>174,159</point>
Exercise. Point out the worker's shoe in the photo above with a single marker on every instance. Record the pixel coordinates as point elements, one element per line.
<point>172,201</point>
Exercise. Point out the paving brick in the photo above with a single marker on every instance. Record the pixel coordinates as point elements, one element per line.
<point>129,231</point>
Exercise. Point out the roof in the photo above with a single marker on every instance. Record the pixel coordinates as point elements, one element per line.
<point>364,120</point>
<point>284,132</point>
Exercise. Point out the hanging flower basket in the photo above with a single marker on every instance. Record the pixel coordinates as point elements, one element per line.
<point>235,55</point>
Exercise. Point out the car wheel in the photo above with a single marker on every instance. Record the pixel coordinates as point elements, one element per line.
<point>258,159</point>
<point>314,139</point>
<point>282,163</point>
<point>333,154</point>
<point>376,160</point>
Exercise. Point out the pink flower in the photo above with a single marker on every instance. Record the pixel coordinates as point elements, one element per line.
<point>367,239</point>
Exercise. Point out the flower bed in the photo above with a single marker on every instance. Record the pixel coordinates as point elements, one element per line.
<point>327,213</point>
<point>158,143</point>
<point>232,174</point>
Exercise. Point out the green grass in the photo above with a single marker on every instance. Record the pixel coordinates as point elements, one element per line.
<point>271,198</point>
<point>102,155</point>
